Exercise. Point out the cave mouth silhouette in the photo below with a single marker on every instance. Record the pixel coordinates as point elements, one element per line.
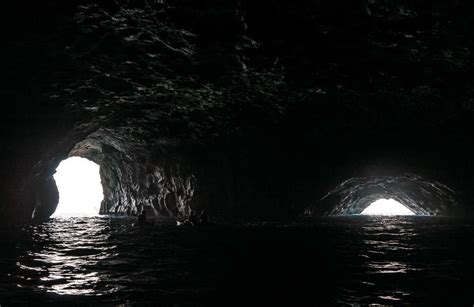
<point>384,206</point>
<point>420,195</point>
<point>80,188</point>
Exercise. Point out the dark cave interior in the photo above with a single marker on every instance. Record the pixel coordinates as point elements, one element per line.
<point>319,109</point>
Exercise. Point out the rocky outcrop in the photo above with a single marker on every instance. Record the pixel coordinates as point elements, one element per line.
<point>46,197</point>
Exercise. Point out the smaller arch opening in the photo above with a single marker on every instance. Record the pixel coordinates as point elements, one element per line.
<point>421,196</point>
<point>386,206</point>
<point>80,188</point>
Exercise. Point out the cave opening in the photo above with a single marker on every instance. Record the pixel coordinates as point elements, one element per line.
<point>406,194</point>
<point>80,188</point>
<point>384,206</point>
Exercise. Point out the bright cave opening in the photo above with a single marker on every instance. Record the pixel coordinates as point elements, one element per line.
<point>385,206</point>
<point>80,188</point>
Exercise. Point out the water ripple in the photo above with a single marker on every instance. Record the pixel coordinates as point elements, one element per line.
<point>352,260</point>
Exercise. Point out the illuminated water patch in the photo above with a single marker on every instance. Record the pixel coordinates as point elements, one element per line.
<point>387,207</point>
<point>80,188</point>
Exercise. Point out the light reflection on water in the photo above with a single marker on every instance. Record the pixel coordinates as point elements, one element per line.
<point>389,236</point>
<point>351,260</point>
<point>65,265</point>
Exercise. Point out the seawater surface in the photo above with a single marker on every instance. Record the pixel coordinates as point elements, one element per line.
<point>327,261</point>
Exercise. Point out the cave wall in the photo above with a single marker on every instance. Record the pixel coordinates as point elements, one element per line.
<point>190,104</point>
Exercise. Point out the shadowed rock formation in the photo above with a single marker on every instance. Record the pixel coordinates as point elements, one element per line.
<point>354,195</point>
<point>249,109</point>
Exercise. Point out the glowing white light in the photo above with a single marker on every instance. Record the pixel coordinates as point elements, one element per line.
<point>80,189</point>
<point>387,207</point>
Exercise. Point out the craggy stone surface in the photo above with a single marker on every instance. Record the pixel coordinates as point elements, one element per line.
<point>420,196</point>
<point>247,108</point>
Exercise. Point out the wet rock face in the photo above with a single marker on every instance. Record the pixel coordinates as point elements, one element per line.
<point>134,179</point>
<point>245,108</point>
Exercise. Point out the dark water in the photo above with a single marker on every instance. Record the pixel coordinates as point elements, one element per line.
<point>344,260</point>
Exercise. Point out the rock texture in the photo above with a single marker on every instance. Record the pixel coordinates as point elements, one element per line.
<point>249,109</point>
<point>420,196</point>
